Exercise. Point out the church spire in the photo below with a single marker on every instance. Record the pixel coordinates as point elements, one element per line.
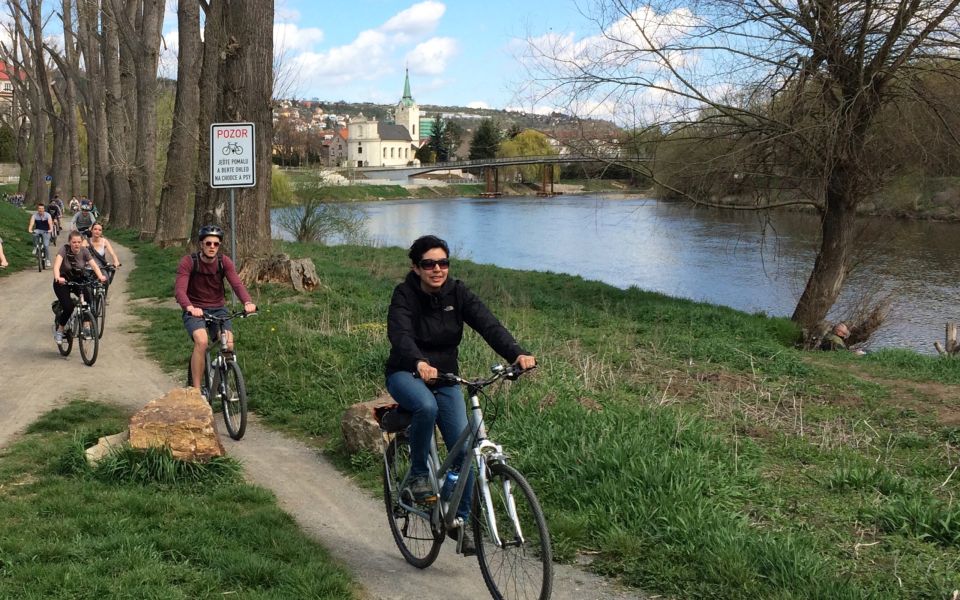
<point>407,99</point>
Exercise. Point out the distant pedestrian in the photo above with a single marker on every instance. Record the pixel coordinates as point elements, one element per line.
<point>3,258</point>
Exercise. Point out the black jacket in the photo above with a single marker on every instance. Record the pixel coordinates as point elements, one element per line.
<point>429,327</point>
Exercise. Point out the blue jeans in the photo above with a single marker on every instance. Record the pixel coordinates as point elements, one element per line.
<point>442,406</point>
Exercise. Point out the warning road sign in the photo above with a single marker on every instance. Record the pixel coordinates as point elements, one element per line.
<point>232,155</point>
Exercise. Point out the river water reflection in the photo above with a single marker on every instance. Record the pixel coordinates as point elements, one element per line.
<point>739,259</point>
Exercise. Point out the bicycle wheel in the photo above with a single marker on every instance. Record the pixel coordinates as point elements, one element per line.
<point>89,343</point>
<point>521,566</point>
<point>40,255</point>
<point>232,394</point>
<point>66,345</point>
<point>100,309</point>
<point>412,531</point>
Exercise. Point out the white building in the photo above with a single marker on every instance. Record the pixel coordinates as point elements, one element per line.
<point>374,144</point>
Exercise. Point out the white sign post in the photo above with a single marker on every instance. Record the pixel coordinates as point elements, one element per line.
<point>233,164</point>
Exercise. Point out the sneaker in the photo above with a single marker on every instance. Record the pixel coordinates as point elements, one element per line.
<point>467,545</point>
<point>34,251</point>
<point>420,489</point>
<point>47,263</point>
<point>86,333</point>
<point>58,337</point>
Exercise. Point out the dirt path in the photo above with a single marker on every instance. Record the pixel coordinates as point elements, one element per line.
<point>327,505</point>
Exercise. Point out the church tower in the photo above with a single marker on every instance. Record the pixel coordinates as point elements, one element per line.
<point>408,113</point>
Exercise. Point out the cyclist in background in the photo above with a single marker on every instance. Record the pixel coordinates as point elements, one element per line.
<point>425,327</point>
<point>199,289</point>
<point>56,211</point>
<point>100,247</point>
<point>74,204</point>
<point>42,223</point>
<point>83,220</point>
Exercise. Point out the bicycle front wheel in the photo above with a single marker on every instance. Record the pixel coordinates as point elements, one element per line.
<point>521,565</point>
<point>100,309</point>
<point>228,387</point>
<point>411,530</point>
<point>40,257</point>
<point>87,339</point>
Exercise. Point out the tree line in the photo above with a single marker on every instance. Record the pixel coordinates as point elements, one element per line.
<point>93,103</point>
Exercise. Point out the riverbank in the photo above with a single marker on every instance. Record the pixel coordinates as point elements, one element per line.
<point>685,448</point>
<point>906,197</point>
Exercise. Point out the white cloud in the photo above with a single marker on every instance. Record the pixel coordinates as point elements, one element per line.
<point>431,57</point>
<point>477,104</point>
<point>417,21</point>
<point>364,58</point>
<point>292,38</point>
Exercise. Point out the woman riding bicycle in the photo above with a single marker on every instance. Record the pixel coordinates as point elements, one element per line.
<point>425,327</point>
<point>69,265</point>
<point>100,247</point>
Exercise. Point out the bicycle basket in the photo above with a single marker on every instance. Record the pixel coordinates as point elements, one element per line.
<point>392,418</point>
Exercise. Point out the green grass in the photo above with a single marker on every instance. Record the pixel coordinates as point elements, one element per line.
<point>17,243</point>
<point>689,448</point>
<point>67,532</point>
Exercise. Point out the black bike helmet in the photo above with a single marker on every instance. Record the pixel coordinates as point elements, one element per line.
<point>208,230</point>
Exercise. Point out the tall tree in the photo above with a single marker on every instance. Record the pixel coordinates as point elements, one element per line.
<point>437,142</point>
<point>139,24</point>
<point>246,83</point>
<point>796,88</point>
<point>118,124</point>
<point>179,178</point>
<point>486,140</point>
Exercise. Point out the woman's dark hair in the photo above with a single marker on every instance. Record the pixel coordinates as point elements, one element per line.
<point>424,244</point>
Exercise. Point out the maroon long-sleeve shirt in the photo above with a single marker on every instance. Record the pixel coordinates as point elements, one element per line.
<point>205,288</point>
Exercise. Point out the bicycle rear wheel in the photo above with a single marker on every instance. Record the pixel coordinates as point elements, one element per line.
<point>89,342</point>
<point>412,531</point>
<point>232,393</point>
<point>521,567</point>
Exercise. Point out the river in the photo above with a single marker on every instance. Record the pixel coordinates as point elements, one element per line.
<point>749,261</point>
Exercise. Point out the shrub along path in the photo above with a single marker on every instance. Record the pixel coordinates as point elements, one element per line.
<point>329,507</point>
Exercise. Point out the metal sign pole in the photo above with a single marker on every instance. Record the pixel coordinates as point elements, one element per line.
<point>233,230</point>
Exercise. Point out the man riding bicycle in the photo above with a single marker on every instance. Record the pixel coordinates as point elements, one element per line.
<point>425,326</point>
<point>41,223</point>
<point>83,220</point>
<point>199,289</point>
<point>55,209</point>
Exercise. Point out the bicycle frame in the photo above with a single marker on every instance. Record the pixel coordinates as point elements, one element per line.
<point>484,451</point>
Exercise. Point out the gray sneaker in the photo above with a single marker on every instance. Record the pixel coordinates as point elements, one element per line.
<point>58,337</point>
<point>420,489</point>
<point>467,546</point>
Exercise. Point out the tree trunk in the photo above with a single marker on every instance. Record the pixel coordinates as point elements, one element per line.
<point>98,152</point>
<point>139,25</point>
<point>832,263</point>
<point>179,179</point>
<point>70,47</point>
<point>117,130</point>
<point>205,209</point>
<point>246,78</point>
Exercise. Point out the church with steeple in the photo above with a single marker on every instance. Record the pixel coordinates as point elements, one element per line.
<point>372,143</point>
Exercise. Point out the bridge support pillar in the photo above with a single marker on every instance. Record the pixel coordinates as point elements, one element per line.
<point>546,180</point>
<point>492,176</point>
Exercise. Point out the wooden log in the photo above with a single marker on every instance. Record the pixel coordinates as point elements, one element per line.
<point>951,337</point>
<point>940,349</point>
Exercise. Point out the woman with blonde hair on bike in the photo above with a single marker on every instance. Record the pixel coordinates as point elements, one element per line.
<point>100,246</point>
<point>425,326</point>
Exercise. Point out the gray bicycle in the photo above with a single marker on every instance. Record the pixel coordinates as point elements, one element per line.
<point>513,543</point>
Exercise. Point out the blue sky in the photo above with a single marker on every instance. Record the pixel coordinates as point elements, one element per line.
<point>459,53</point>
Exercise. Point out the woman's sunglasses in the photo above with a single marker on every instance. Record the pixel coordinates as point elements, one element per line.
<point>427,264</point>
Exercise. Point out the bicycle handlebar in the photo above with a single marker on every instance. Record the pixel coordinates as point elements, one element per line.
<point>499,372</point>
<point>237,315</point>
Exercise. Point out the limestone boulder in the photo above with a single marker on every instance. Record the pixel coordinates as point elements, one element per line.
<point>182,421</point>
<point>104,446</point>
<point>359,427</point>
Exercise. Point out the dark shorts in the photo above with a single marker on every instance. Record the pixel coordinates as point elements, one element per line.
<point>193,323</point>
